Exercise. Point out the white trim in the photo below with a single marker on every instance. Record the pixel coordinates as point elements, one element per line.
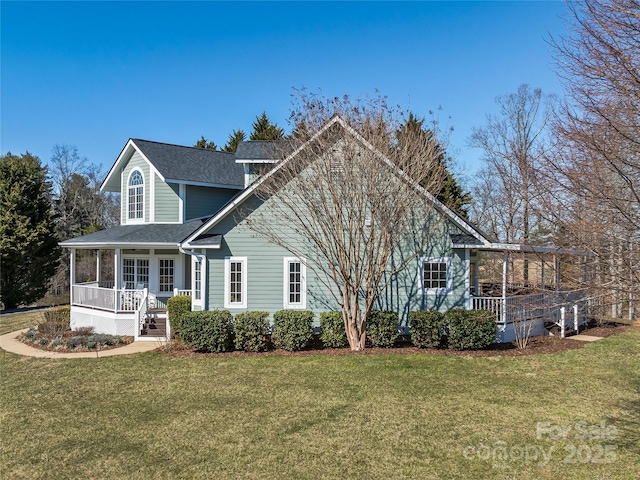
<point>130,221</point>
<point>127,152</point>
<point>256,161</point>
<point>112,245</point>
<point>182,195</point>
<point>152,197</point>
<point>303,284</point>
<point>227,282</point>
<point>437,291</point>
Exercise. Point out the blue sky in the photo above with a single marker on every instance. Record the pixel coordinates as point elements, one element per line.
<point>93,74</point>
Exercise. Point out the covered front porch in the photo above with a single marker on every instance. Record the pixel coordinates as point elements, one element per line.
<point>128,295</point>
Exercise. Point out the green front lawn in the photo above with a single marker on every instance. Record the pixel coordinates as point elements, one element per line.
<point>12,321</point>
<point>388,416</point>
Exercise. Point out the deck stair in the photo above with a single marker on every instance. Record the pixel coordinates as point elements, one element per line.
<point>155,323</point>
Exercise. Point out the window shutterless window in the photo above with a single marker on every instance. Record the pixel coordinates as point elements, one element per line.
<point>295,288</point>
<point>135,196</point>
<point>197,284</point>
<point>235,282</point>
<point>436,274</point>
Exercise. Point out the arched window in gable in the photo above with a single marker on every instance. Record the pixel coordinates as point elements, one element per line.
<point>135,196</point>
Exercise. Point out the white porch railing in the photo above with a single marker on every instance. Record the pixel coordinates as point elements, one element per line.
<point>536,306</point>
<point>93,296</point>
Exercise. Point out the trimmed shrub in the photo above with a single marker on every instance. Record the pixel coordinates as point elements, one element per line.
<point>56,321</point>
<point>43,341</point>
<point>470,329</point>
<point>292,329</point>
<point>91,345</point>
<point>427,328</point>
<point>250,330</point>
<point>382,328</point>
<point>57,342</point>
<point>333,334</point>
<point>31,333</point>
<point>177,309</point>
<point>208,331</point>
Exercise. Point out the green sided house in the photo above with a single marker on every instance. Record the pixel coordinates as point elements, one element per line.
<point>184,231</point>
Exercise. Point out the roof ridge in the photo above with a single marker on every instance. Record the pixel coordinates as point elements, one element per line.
<point>181,146</point>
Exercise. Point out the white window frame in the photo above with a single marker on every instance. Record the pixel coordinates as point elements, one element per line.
<point>243,282</point>
<point>136,271</point>
<point>449,280</point>
<point>303,284</point>
<point>129,187</point>
<point>173,274</point>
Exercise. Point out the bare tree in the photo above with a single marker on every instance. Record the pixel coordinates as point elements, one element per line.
<point>345,198</point>
<point>513,144</point>
<point>80,208</point>
<point>599,166</point>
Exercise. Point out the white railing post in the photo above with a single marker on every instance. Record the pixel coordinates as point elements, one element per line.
<point>576,326</point>
<point>562,319</point>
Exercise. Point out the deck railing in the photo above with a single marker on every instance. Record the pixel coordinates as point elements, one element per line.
<point>92,296</point>
<point>535,306</point>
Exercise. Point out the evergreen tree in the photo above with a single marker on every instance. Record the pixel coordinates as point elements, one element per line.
<point>263,129</point>
<point>29,249</point>
<point>204,143</point>
<point>234,139</point>
<point>451,194</point>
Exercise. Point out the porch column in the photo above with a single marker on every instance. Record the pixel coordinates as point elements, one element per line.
<point>116,276</point>
<point>505,259</point>
<point>467,277</point>
<point>98,266</point>
<point>72,272</point>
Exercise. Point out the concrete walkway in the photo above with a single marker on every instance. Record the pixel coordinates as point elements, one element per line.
<point>10,343</point>
<point>585,338</point>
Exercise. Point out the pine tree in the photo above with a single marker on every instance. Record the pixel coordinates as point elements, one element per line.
<point>29,249</point>
<point>235,138</point>
<point>451,194</point>
<point>263,129</point>
<point>204,143</point>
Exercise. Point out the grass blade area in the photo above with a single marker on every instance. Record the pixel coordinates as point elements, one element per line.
<point>368,416</point>
<point>10,322</point>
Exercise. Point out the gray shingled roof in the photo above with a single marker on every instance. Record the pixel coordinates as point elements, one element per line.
<point>148,233</point>
<point>254,150</point>
<point>190,164</point>
<point>464,239</point>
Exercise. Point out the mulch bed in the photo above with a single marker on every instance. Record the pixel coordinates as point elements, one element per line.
<point>537,345</point>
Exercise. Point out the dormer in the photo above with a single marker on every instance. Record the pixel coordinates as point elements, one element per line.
<point>165,183</point>
<point>255,156</point>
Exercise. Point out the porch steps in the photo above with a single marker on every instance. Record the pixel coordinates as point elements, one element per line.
<point>155,323</point>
